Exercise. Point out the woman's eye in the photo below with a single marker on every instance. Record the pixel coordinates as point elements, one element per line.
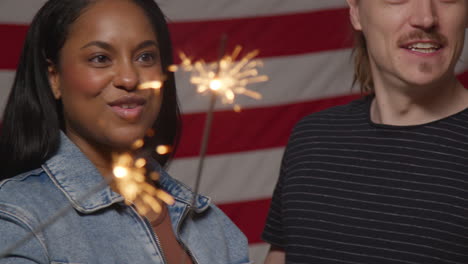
<point>100,59</point>
<point>148,58</point>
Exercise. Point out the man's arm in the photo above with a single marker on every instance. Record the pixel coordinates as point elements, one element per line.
<point>275,256</point>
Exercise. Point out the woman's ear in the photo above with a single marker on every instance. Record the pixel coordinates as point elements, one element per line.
<point>354,14</point>
<point>54,79</point>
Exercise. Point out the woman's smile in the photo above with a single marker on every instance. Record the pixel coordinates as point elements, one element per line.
<point>128,107</point>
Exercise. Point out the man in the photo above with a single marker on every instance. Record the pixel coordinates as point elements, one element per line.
<point>383,179</point>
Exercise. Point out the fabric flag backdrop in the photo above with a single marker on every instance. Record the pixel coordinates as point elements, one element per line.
<point>305,46</point>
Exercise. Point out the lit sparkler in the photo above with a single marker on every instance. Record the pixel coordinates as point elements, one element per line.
<point>150,85</point>
<point>163,149</point>
<point>226,77</point>
<point>131,183</point>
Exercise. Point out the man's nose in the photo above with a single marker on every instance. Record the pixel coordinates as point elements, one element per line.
<point>424,14</point>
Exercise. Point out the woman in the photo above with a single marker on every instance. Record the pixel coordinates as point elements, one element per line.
<point>75,102</point>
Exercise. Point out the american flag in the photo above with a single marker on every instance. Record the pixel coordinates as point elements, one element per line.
<point>306,49</point>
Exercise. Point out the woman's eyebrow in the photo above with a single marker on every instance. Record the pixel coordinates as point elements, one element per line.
<point>147,43</point>
<point>107,46</point>
<point>100,44</point>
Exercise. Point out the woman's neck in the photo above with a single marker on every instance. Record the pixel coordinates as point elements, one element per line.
<point>100,156</point>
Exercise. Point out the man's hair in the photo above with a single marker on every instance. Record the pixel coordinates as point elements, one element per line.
<point>362,69</point>
<point>32,119</point>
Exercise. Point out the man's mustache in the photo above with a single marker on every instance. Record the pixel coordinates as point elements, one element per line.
<point>422,35</point>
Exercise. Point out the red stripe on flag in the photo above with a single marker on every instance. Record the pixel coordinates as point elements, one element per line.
<point>249,216</point>
<point>273,35</point>
<point>11,45</point>
<point>251,129</point>
<point>463,78</point>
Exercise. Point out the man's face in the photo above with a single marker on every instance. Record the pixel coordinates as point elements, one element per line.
<point>411,42</point>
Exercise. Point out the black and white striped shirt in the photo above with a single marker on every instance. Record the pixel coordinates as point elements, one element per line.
<point>352,191</point>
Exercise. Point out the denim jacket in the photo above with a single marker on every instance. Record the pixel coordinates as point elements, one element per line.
<point>99,227</point>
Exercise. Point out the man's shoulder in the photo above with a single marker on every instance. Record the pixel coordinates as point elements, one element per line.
<point>356,110</point>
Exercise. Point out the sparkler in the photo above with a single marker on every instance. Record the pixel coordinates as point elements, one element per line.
<point>130,181</point>
<point>225,78</point>
<point>130,174</point>
<point>151,85</point>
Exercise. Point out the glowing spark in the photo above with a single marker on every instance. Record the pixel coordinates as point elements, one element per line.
<point>138,144</point>
<point>154,176</point>
<point>215,84</point>
<point>163,149</point>
<point>140,163</point>
<point>131,183</point>
<point>150,85</point>
<point>120,172</point>
<point>237,108</point>
<point>173,68</point>
<point>227,77</point>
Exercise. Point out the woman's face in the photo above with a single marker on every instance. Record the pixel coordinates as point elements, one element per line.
<point>111,49</point>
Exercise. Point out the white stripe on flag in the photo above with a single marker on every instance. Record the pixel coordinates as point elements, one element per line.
<point>232,177</point>
<point>221,9</point>
<point>22,11</point>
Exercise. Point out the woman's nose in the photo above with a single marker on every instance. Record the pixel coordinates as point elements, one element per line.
<point>126,77</point>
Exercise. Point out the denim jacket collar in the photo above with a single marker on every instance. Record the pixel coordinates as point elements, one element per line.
<point>180,191</point>
<point>80,181</point>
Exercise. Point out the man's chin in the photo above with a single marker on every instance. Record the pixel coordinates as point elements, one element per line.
<point>423,79</point>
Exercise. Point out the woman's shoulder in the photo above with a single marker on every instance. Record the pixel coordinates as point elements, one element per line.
<point>27,191</point>
<point>20,207</point>
<point>21,183</point>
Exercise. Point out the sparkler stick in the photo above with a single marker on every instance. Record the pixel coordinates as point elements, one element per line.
<point>204,146</point>
<point>208,122</point>
<point>206,134</point>
<point>227,79</point>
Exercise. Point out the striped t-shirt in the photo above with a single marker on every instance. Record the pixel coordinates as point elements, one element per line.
<point>352,191</point>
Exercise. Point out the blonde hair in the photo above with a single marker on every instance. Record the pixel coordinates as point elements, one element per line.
<point>362,69</point>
